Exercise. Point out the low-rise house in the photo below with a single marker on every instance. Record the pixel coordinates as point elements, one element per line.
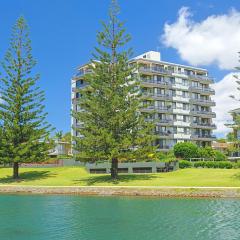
<point>60,148</point>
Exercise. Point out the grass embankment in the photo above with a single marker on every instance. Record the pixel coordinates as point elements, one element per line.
<point>78,176</point>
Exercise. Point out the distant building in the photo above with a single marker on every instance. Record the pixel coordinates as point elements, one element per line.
<point>221,146</point>
<point>236,131</point>
<point>60,148</point>
<point>180,96</point>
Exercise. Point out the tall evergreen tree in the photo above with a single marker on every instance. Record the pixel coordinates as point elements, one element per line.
<point>24,128</point>
<point>113,127</point>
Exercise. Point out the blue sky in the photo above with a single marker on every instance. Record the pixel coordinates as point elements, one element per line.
<point>63,34</point>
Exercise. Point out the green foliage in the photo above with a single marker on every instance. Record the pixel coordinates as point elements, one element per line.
<point>206,152</point>
<point>213,164</point>
<point>59,135</point>
<point>113,126</point>
<point>67,137</point>
<point>24,128</point>
<point>185,164</point>
<point>221,140</point>
<point>236,165</point>
<point>185,150</point>
<point>165,156</point>
<point>230,137</point>
<point>219,156</point>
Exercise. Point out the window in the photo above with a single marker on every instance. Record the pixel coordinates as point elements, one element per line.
<point>79,83</point>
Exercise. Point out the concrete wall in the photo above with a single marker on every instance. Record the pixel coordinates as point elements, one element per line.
<point>133,165</point>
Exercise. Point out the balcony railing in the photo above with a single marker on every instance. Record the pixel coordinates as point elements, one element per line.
<point>165,96</point>
<point>201,77</point>
<point>199,100</point>
<point>155,69</point>
<point>210,125</point>
<point>164,133</point>
<point>152,108</point>
<point>203,136</point>
<point>203,89</point>
<point>165,71</point>
<point>82,72</point>
<point>151,81</point>
<point>203,112</point>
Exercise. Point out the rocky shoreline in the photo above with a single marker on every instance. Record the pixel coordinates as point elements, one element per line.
<point>174,192</point>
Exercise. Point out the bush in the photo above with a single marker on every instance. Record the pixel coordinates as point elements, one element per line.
<point>219,156</point>
<point>206,152</point>
<point>236,165</point>
<point>212,164</point>
<point>185,150</point>
<point>165,156</point>
<point>185,164</point>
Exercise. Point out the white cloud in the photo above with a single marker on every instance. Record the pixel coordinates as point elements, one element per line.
<point>224,88</point>
<point>215,40</point>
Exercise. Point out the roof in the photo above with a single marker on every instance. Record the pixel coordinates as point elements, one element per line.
<point>154,61</point>
<point>169,63</point>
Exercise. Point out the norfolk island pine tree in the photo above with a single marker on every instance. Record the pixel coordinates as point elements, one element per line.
<point>25,132</point>
<point>113,127</point>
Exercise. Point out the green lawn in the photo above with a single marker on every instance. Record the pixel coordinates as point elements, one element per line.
<point>78,176</point>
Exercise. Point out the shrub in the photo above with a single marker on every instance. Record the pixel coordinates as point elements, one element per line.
<point>219,156</point>
<point>165,156</point>
<point>212,164</point>
<point>184,164</point>
<point>206,152</point>
<point>236,165</point>
<point>185,150</point>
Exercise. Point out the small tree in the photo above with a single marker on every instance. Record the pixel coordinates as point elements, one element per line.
<point>113,126</point>
<point>185,150</point>
<point>206,152</point>
<point>230,137</point>
<point>59,135</point>
<point>24,129</point>
<point>67,137</point>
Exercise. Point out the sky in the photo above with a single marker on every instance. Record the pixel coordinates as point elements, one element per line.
<point>63,33</point>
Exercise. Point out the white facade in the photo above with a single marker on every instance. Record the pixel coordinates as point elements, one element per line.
<point>179,96</point>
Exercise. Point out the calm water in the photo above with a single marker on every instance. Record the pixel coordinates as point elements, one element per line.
<point>94,218</point>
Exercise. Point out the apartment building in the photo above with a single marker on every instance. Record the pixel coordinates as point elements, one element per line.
<point>178,95</point>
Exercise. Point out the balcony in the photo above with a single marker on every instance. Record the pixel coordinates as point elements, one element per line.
<point>156,109</point>
<point>157,95</point>
<point>155,70</point>
<point>206,137</point>
<point>82,72</point>
<point>164,134</point>
<point>205,113</point>
<point>203,101</point>
<point>201,77</point>
<point>203,125</point>
<point>207,90</point>
<point>152,82</point>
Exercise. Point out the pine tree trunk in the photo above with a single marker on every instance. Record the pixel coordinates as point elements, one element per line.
<point>114,168</point>
<point>15,170</point>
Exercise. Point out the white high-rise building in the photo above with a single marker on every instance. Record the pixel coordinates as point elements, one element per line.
<point>179,95</point>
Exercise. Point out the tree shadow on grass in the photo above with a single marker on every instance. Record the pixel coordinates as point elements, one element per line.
<point>28,176</point>
<point>122,178</point>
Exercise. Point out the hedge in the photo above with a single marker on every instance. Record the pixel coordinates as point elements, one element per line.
<point>185,164</point>
<point>214,164</point>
